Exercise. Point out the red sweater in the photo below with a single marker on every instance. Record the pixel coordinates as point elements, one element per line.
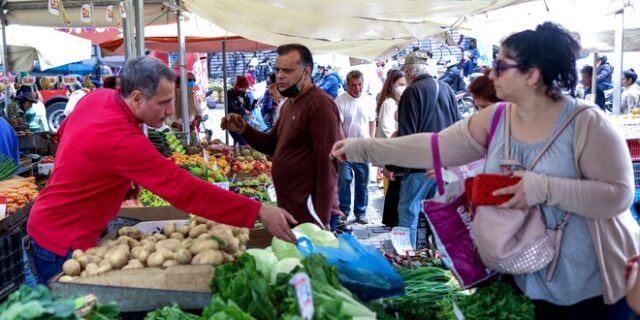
<point>102,150</point>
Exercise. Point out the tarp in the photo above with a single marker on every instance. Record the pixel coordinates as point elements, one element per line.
<point>366,29</point>
<point>50,47</point>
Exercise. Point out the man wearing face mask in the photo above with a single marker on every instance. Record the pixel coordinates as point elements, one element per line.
<point>300,140</point>
<point>426,105</point>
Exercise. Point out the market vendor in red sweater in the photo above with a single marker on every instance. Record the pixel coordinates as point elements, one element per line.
<point>300,140</point>
<point>103,150</point>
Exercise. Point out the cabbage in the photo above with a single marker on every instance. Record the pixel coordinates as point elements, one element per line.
<point>265,261</point>
<point>284,266</point>
<point>324,238</point>
<point>307,229</point>
<point>283,249</point>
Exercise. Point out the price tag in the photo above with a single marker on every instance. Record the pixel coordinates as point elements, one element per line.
<point>45,168</point>
<point>223,185</point>
<point>401,241</point>
<point>302,284</point>
<point>3,207</point>
<point>271,192</point>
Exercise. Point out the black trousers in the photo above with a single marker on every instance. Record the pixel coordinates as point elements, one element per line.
<point>593,308</point>
<point>391,199</point>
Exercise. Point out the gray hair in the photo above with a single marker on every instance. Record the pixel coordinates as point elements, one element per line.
<point>417,69</point>
<point>354,74</point>
<point>144,74</point>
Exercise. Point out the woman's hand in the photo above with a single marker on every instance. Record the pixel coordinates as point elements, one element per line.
<point>519,199</point>
<point>338,151</point>
<point>632,274</point>
<point>390,175</point>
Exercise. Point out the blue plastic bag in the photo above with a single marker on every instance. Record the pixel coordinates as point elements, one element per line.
<point>361,269</point>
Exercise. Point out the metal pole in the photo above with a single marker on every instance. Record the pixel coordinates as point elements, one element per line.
<point>5,59</point>
<point>224,87</point>
<point>183,78</point>
<point>594,78</point>
<point>617,69</point>
<point>127,25</point>
<point>139,10</point>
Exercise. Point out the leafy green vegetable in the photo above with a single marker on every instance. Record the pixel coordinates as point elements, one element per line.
<point>172,312</point>
<point>219,310</point>
<point>149,199</point>
<point>497,301</point>
<point>7,167</point>
<point>265,260</point>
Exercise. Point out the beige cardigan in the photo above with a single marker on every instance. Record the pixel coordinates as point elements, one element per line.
<point>603,196</point>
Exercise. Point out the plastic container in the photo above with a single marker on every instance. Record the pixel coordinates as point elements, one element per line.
<point>11,265</point>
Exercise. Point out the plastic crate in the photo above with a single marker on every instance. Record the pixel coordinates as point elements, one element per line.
<point>636,174</point>
<point>634,149</point>
<point>11,265</point>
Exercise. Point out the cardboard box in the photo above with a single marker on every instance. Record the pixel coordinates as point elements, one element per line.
<point>153,213</point>
<point>259,238</point>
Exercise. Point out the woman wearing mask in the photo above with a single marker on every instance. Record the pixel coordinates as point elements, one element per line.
<point>239,103</point>
<point>386,109</point>
<point>630,91</point>
<point>588,282</point>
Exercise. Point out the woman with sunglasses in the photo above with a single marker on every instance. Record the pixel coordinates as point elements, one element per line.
<point>586,171</point>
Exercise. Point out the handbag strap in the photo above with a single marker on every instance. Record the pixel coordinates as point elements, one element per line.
<point>437,164</point>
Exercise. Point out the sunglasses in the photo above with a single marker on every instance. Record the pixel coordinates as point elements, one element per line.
<point>499,67</point>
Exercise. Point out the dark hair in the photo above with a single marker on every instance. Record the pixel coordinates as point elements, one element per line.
<point>557,62</point>
<point>144,74</point>
<point>354,74</point>
<point>388,91</point>
<point>241,82</point>
<point>602,59</point>
<point>272,78</point>
<point>587,69</point>
<point>482,87</point>
<point>306,59</point>
<point>109,82</point>
<point>630,74</point>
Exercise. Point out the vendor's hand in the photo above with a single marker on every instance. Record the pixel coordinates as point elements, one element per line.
<point>338,151</point>
<point>133,192</point>
<point>390,175</point>
<point>234,123</point>
<point>633,285</point>
<point>277,221</point>
<point>519,199</point>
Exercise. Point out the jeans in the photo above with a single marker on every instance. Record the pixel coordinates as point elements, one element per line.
<point>29,278</point>
<point>346,173</point>
<point>415,188</point>
<point>47,263</point>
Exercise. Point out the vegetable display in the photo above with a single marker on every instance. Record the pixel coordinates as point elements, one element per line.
<point>496,301</point>
<point>149,199</point>
<point>18,191</point>
<point>201,241</point>
<point>172,312</point>
<point>160,142</point>
<point>7,167</point>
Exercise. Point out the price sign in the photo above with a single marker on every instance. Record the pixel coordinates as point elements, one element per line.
<point>401,241</point>
<point>223,185</point>
<point>302,284</point>
<point>28,81</point>
<point>45,168</point>
<point>3,207</point>
<point>271,192</point>
<point>69,80</point>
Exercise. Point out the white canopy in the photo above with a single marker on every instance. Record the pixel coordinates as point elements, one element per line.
<point>50,47</point>
<point>366,29</point>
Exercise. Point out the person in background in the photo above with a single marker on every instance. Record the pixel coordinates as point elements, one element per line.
<point>300,140</point>
<point>264,69</point>
<point>39,123</point>
<point>330,81</point>
<point>587,79</point>
<point>630,92</point>
<point>358,118</point>
<point>467,65</point>
<point>387,109</point>
<point>483,92</point>
<point>239,104</point>
<point>268,104</point>
<point>193,105</point>
<point>475,53</point>
<point>452,75</point>
<point>588,282</point>
<point>76,93</point>
<point>278,101</point>
<point>604,74</point>
<point>9,141</point>
<point>251,78</point>
<point>25,101</point>
<point>103,151</point>
<point>109,82</point>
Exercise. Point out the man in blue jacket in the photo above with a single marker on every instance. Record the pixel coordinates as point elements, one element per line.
<point>330,82</point>
<point>9,141</point>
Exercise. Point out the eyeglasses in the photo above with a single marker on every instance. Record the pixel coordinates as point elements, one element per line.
<point>499,67</point>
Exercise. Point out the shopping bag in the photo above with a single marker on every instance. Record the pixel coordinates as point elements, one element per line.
<point>256,120</point>
<point>361,269</point>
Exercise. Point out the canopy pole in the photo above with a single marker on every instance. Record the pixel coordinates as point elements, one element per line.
<point>5,60</point>
<point>224,87</point>
<point>594,78</point>
<point>617,69</point>
<point>139,10</point>
<point>127,24</point>
<point>184,102</point>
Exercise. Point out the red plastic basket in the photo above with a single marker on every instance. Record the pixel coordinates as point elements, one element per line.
<point>634,149</point>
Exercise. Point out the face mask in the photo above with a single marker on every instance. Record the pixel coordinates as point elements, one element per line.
<point>400,90</point>
<point>191,83</point>
<point>291,91</point>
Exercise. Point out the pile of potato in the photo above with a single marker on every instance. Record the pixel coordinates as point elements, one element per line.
<point>201,241</point>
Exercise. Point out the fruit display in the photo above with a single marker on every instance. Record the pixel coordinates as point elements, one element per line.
<point>197,242</point>
<point>149,199</point>
<point>47,159</point>
<point>210,175</point>
<point>187,162</point>
<point>174,143</point>
<point>18,191</point>
<point>160,142</point>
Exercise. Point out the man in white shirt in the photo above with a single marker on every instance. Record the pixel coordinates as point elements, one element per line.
<point>358,120</point>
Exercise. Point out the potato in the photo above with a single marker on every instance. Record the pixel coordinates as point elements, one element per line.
<point>91,269</point>
<point>83,274</point>
<point>186,243</point>
<point>166,253</point>
<point>183,230</point>
<point>91,251</point>
<point>133,264</point>
<point>104,263</point>
<point>136,251</point>
<point>150,247</point>
<point>195,232</point>
<point>159,236</point>
<point>202,245</point>
<point>131,232</point>
<point>211,224</point>
<point>201,220</point>
<point>228,257</point>
<point>212,257</point>
<point>143,256</point>
<point>71,267</point>
<point>222,233</point>
<point>155,260</point>
<point>171,244</point>
<point>103,269</point>
<point>130,242</point>
<point>232,245</point>
<point>77,253</point>
<point>117,257</point>
<point>101,251</point>
<point>169,263</point>
<point>204,236</point>
<point>234,230</point>
<point>243,238</point>
<point>183,256</point>
<point>176,235</point>
<point>65,278</point>
<point>169,228</point>
<point>149,238</point>
<point>192,224</point>
<point>87,258</point>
